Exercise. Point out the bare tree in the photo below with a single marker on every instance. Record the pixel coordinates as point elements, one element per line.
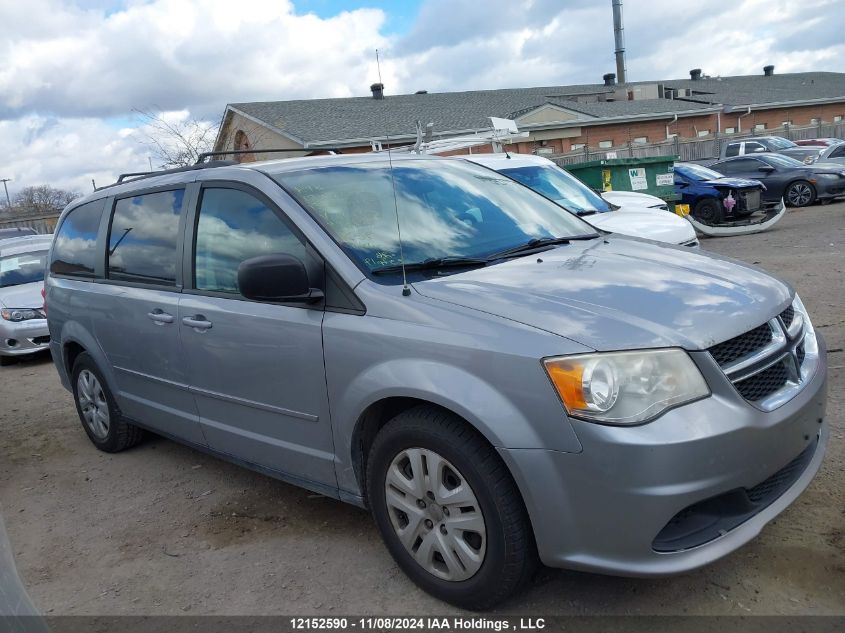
<point>176,143</point>
<point>44,198</point>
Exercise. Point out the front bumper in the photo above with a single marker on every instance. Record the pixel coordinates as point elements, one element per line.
<point>23,337</point>
<point>602,509</point>
<point>830,188</point>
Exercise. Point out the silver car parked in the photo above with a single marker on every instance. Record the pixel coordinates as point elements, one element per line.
<point>23,324</point>
<point>496,382</point>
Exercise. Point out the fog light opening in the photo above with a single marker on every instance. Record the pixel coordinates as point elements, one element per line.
<point>11,342</point>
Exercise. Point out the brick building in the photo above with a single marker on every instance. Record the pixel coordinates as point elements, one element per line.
<point>559,119</point>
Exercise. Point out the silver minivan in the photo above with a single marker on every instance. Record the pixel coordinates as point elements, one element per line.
<point>498,383</point>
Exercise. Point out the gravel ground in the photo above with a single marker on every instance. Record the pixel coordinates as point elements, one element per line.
<point>163,529</point>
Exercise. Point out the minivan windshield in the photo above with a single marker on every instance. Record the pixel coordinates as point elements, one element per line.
<point>23,268</point>
<point>446,209</point>
<point>561,187</point>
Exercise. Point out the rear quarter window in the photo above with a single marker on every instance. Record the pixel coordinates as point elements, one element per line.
<point>75,247</point>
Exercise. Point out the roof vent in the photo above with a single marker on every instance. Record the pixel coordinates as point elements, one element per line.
<point>769,70</point>
<point>377,90</point>
<point>421,92</point>
<point>695,74</point>
<point>609,79</point>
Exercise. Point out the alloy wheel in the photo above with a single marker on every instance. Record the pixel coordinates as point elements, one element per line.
<point>435,514</point>
<point>800,194</point>
<point>93,404</point>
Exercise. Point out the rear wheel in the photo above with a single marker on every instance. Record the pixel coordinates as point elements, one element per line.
<point>709,211</point>
<point>800,194</point>
<point>448,509</point>
<point>98,411</point>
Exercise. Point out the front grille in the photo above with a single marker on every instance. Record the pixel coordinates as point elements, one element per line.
<point>742,345</point>
<point>765,383</point>
<point>800,353</point>
<point>787,315</point>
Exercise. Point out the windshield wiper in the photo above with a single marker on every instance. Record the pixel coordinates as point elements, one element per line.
<point>539,243</point>
<point>432,264</point>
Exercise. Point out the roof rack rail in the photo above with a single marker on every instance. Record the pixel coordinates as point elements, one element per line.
<point>204,155</point>
<point>140,175</point>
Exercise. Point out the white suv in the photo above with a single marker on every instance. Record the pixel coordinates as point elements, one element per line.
<point>634,214</point>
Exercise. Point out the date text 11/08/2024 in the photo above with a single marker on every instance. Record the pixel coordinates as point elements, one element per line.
<point>421,624</point>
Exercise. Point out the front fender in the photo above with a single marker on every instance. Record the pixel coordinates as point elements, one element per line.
<point>491,412</point>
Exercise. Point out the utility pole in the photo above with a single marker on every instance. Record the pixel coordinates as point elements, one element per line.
<point>4,181</point>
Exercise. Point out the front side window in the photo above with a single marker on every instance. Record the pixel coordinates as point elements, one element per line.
<point>22,268</point>
<point>234,226</point>
<point>143,236</point>
<point>750,148</point>
<point>561,187</point>
<point>75,248</point>
<point>446,208</point>
<point>777,144</point>
<point>733,150</point>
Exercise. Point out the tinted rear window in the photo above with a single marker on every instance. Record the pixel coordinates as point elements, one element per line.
<point>75,248</point>
<point>143,237</point>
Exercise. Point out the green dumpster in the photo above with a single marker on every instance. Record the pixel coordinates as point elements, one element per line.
<point>652,175</point>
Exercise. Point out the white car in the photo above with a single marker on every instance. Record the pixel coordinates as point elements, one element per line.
<point>634,214</point>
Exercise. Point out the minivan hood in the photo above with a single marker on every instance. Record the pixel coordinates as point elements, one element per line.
<point>22,296</point>
<point>617,292</point>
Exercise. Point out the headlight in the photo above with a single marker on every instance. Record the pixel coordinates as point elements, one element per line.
<point>21,314</point>
<point>811,343</point>
<point>625,387</point>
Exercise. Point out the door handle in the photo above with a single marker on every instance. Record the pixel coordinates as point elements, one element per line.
<point>198,322</point>
<point>160,317</point>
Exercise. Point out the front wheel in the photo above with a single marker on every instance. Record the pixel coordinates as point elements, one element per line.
<point>709,211</point>
<point>800,194</point>
<point>448,509</point>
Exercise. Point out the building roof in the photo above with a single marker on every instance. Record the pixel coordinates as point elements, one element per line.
<point>357,120</point>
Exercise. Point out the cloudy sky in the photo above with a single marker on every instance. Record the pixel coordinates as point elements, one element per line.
<point>73,72</point>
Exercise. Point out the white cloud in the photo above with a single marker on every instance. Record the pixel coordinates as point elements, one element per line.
<point>67,69</point>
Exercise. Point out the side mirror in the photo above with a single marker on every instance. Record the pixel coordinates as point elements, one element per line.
<point>759,149</point>
<point>276,278</point>
<point>767,169</point>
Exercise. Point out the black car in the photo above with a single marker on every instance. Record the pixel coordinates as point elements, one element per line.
<point>798,184</point>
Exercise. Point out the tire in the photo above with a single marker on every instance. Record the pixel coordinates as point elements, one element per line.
<point>97,410</point>
<point>709,211</point>
<point>499,554</point>
<point>800,194</point>
<point>5,361</point>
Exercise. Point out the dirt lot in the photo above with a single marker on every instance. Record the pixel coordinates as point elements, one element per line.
<point>163,529</point>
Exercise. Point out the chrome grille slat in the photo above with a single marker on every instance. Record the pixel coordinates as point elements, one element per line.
<point>766,359</point>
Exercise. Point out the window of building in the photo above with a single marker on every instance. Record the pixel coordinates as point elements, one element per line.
<point>640,140</point>
<point>786,124</point>
<point>142,238</point>
<point>837,118</point>
<point>577,146</point>
<point>233,227</point>
<point>75,250</point>
<point>815,121</point>
<point>703,133</point>
<point>730,130</point>
<point>759,127</point>
<point>605,144</point>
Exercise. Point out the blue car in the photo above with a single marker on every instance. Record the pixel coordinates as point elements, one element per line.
<point>713,198</point>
